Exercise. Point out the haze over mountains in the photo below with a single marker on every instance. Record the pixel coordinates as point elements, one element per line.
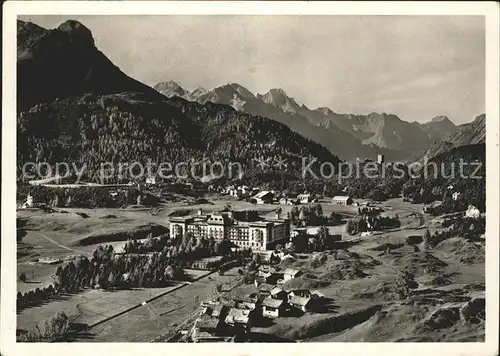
<point>350,136</point>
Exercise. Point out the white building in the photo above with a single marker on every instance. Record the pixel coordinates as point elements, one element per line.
<point>290,273</point>
<point>264,197</point>
<point>455,195</point>
<point>304,198</point>
<point>272,308</point>
<point>342,200</point>
<point>29,202</point>
<point>473,212</point>
<point>287,201</point>
<point>256,235</point>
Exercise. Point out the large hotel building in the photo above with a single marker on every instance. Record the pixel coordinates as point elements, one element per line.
<point>257,235</point>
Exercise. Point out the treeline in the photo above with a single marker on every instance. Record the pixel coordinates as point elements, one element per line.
<point>461,170</point>
<point>313,215</point>
<point>467,228</point>
<point>86,197</point>
<point>37,296</point>
<point>370,222</point>
<point>107,270</point>
<point>303,242</point>
<point>152,263</point>
<point>113,129</point>
<point>379,185</point>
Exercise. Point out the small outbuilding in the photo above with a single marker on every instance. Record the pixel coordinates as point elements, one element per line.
<point>342,200</point>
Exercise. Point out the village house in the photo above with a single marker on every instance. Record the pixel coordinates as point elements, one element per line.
<point>270,277</point>
<point>472,212</point>
<point>239,317</point>
<point>288,201</point>
<point>279,293</point>
<point>456,195</point>
<point>265,289</point>
<point>342,200</point>
<point>306,293</point>
<point>241,191</point>
<point>317,294</point>
<point>272,308</point>
<point>304,198</point>
<point>290,273</point>
<point>29,202</point>
<point>219,310</point>
<point>434,205</point>
<point>301,303</point>
<point>151,180</point>
<point>263,197</point>
<point>246,302</point>
<point>208,324</point>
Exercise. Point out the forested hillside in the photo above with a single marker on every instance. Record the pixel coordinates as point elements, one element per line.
<point>445,176</point>
<point>121,128</point>
<point>75,106</point>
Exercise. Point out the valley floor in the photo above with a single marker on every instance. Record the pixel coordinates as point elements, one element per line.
<point>358,283</point>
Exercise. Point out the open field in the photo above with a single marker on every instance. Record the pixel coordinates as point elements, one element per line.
<point>161,315</point>
<point>79,231</point>
<point>89,306</point>
<point>361,297</point>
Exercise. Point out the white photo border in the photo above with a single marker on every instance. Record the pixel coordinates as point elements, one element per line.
<point>11,9</point>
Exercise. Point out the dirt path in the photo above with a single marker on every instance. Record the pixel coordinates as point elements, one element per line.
<point>63,246</point>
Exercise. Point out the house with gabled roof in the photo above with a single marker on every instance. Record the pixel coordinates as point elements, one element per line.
<point>279,293</point>
<point>272,308</point>
<point>290,273</point>
<point>263,197</point>
<point>342,200</point>
<point>306,293</point>
<point>265,289</point>
<point>301,303</point>
<point>239,317</point>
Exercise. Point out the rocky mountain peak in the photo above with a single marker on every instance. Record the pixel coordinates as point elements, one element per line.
<point>170,89</point>
<point>279,98</point>
<point>324,110</point>
<point>77,30</point>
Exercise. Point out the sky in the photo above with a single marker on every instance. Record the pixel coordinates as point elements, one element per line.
<point>416,67</point>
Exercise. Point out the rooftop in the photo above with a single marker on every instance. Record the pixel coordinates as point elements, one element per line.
<point>235,315</point>
<point>291,271</point>
<point>272,303</point>
<point>266,287</point>
<point>225,219</point>
<point>207,322</point>
<point>276,290</point>
<point>245,298</point>
<point>301,301</point>
<point>262,194</point>
<point>340,197</point>
<point>300,291</point>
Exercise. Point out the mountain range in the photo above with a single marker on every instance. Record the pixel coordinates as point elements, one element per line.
<point>76,106</point>
<point>350,136</point>
<point>471,133</point>
<point>74,103</point>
